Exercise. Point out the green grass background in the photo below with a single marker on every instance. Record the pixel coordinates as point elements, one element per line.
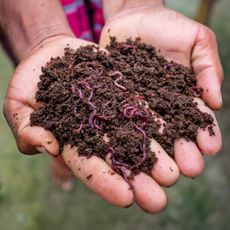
<point>29,200</point>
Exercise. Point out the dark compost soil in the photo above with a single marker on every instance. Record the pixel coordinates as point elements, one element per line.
<point>102,103</point>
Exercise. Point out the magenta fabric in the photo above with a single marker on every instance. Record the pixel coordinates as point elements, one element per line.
<point>85,17</point>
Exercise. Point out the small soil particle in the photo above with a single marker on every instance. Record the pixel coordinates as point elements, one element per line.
<point>89,176</point>
<point>87,94</point>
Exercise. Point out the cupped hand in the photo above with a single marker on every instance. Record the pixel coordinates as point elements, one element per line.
<point>20,103</point>
<point>189,43</point>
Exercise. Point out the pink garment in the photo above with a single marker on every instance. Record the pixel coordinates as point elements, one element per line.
<point>85,17</point>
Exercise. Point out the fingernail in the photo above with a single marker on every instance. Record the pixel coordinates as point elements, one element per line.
<point>41,149</point>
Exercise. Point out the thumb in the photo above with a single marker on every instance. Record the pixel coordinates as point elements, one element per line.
<point>30,139</point>
<point>207,66</point>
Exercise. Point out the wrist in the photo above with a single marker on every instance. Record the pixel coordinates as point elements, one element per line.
<point>37,39</point>
<point>26,24</point>
<point>120,7</point>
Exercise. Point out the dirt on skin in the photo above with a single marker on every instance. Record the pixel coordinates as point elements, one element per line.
<point>103,103</point>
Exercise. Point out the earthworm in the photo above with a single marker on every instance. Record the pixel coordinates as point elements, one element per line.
<point>86,85</point>
<point>78,130</point>
<point>114,161</point>
<point>129,111</point>
<point>91,119</point>
<point>95,123</point>
<point>93,114</point>
<point>143,147</point>
<point>135,66</point>
<point>98,86</point>
<point>145,116</point>
<point>107,103</point>
<point>89,102</point>
<point>123,174</point>
<point>168,65</point>
<point>118,79</point>
<point>76,91</point>
<point>117,165</point>
<point>138,97</point>
<point>127,46</point>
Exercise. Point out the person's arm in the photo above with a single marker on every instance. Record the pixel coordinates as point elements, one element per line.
<point>27,23</point>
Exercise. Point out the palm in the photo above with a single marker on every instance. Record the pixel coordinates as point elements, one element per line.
<point>164,29</point>
<point>20,97</point>
<point>20,103</point>
<point>186,42</point>
<point>178,38</point>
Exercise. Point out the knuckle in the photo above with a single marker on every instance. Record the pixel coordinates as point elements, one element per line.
<point>210,34</point>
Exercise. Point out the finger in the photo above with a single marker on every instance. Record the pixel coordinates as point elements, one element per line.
<point>207,66</point>
<point>34,140</point>
<point>99,177</point>
<point>165,171</point>
<point>188,158</point>
<point>148,194</point>
<point>208,144</point>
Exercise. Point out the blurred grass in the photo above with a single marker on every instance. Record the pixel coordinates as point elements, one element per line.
<point>29,201</point>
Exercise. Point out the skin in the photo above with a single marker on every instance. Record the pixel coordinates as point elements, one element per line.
<point>189,43</point>
<point>179,39</point>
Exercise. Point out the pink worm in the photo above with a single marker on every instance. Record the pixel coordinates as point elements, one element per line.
<point>117,165</point>
<point>132,110</point>
<point>91,103</point>
<point>75,90</point>
<point>122,172</point>
<point>128,46</point>
<point>93,114</point>
<point>118,79</point>
<point>79,129</point>
<point>143,146</point>
<point>143,116</point>
<point>86,84</point>
<point>91,119</point>
<point>115,162</point>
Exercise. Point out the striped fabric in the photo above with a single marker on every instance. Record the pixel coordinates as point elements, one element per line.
<point>85,18</point>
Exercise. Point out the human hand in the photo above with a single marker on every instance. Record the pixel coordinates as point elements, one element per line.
<point>20,103</point>
<point>189,43</point>
<point>36,33</point>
